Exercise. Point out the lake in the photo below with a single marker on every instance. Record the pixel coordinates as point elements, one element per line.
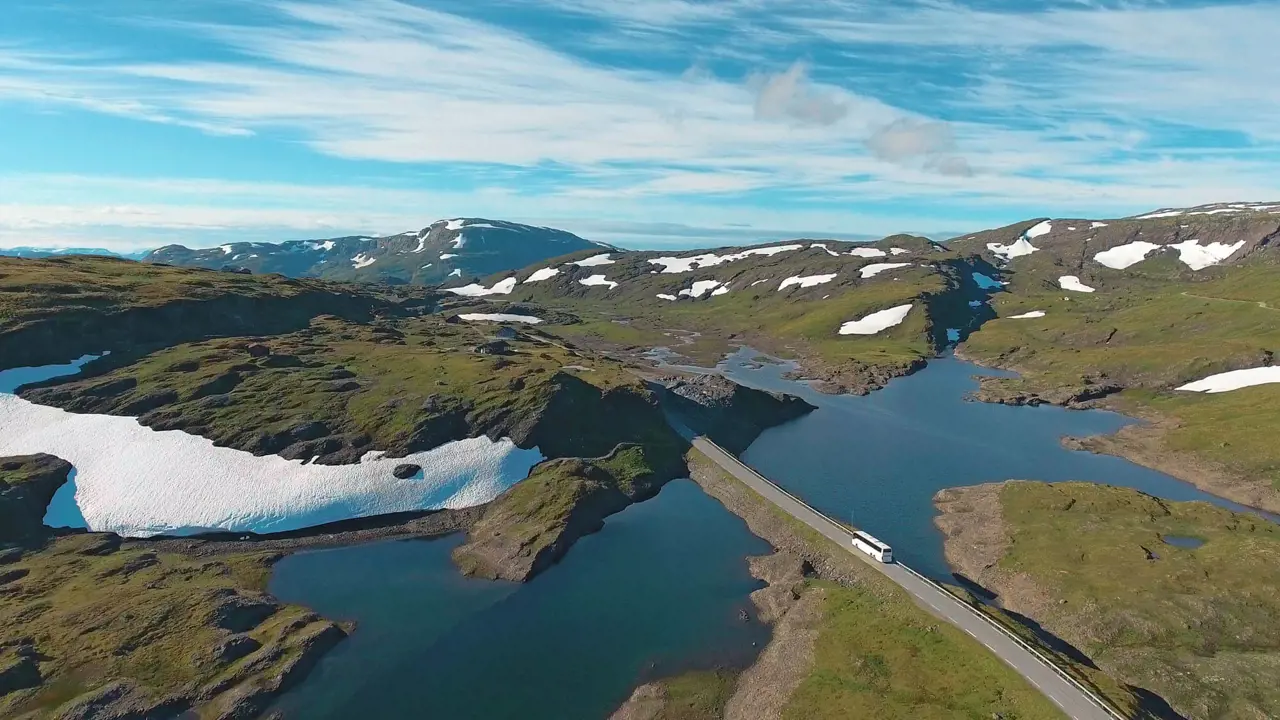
<point>659,590</point>
<point>876,461</point>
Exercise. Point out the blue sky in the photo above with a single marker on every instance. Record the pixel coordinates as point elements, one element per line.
<point>648,123</point>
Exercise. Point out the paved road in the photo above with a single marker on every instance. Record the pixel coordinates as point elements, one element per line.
<point>1073,701</point>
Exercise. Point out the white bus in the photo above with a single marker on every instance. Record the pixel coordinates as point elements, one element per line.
<point>873,547</point>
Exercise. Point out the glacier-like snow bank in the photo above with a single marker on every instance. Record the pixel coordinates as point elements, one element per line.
<point>1072,282</point>
<point>1198,257</point>
<point>502,287</point>
<point>136,481</point>
<point>543,274</point>
<point>1234,380</point>
<point>1018,248</point>
<point>867,252</point>
<point>874,269</point>
<point>876,321</point>
<point>594,261</point>
<point>598,280</point>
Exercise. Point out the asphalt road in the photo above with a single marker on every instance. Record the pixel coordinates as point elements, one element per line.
<point>1073,701</point>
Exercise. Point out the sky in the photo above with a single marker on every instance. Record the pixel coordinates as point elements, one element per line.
<point>127,124</point>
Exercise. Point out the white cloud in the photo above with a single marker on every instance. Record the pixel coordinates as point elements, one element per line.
<point>790,95</point>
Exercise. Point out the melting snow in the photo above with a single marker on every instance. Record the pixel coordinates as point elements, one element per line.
<point>594,260</point>
<point>720,290</point>
<point>806,282</point>
<point>543,274</point>
<point>456,273</point>
<point>701,287</point>
<point>1072,282</point>
<point>685,264</point>
<point>1095,225</point>
<point>362,260</point>
<point>460,240</point>
<point>599,280</point>
<point>757,282</point>
<point>455,224</point>
<point>876,268</point>
<point>422,244</point>
<point>1035,231</point>
<point>876,321</point>
<point>226,249</point>
<point>1017,248</point>
<point>503,287</point>
<point>136,481</point>
<point>1234,380</point>
<point>898,251</point>
<point>1160,214</point>
<point>1198,257</point>
<point>1028,315</point>
<point>828,250</point>
<point>1122,256</point>
<point>446,256</point>
<point>500,317</point>
<point>867,252</point>
<point>664,296</point>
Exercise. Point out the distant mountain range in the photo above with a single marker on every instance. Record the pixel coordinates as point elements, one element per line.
<point>40,252</point>
<point>445,251</point>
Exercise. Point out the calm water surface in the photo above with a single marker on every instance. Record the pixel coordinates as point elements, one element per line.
<point>659,590</point>
<point>876,461</point>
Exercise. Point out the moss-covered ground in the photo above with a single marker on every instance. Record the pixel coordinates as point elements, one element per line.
<point>1194,625</point>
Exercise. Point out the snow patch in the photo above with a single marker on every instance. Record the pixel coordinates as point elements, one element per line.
<point>706,260</point>
<point>1017,248</point>
<point>362,260</point>
<point>422,244</point>
<point>876,321</point>
<point>446,256</point>
<point>1072,282</point>
<point>806,281</point>
<point>594,261</point>
<point>500,317</point>
<point>1123,256</point>
<point>1198,257</point>
<point>898,251</point>
<point>1234,380</point>
<point>876,268</point>
<point>828,250</point>
<point>226,249</point>
<point>456,273</point>
<point>720,290</point>
<point>701,287</point>
<point>599,280</point>
<point>664,296</point>
<point>757,282</point>
<point>867,252</point>
<point>1035,231</point>
<point>502,287</point>
<point>455,224</point>
<point>1095,225</point>
<point>1028,315</point>
<point>135,481</point>
<point>543,274</point>
<point>459,241</point>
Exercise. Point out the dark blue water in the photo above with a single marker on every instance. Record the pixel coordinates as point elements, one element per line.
<point>876,461</point>
<point>1182,541</point>
<point>659,590</point>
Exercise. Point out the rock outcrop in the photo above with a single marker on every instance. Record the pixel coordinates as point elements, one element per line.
<point>27,486</point>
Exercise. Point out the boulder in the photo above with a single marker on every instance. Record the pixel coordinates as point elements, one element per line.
<point>258,350</point>
<point>406,471</point>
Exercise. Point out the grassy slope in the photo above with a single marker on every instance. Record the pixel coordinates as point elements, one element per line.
<point>879,655</point>
<point>1195,625</point>
<point>95,615</point>
<point>1151,337</point>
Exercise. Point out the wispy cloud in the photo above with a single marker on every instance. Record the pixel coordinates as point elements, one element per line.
<point>1075,106</point>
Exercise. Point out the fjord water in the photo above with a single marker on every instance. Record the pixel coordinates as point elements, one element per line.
<point>877,461</point>
<point>660,589</point>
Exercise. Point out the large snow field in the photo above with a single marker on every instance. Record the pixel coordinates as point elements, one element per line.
<point>1198,257</point>
<point>543,274</point>
<point>502,287</point>
<point>876,321</point>
<point>500,317</point>
<point>869,271</point>
<point>1234,380</point>
<point>136,481</point>
<point>1122,256</point>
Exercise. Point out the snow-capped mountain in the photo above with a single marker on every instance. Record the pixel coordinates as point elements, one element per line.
<point>444,251</point>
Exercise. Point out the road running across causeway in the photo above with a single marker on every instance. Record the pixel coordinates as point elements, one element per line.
<point>1074,701</point>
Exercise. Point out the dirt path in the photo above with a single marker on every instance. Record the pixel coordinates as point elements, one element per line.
<point>1259,303</point>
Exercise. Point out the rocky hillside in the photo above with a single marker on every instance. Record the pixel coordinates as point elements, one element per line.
<point>444,251</point>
